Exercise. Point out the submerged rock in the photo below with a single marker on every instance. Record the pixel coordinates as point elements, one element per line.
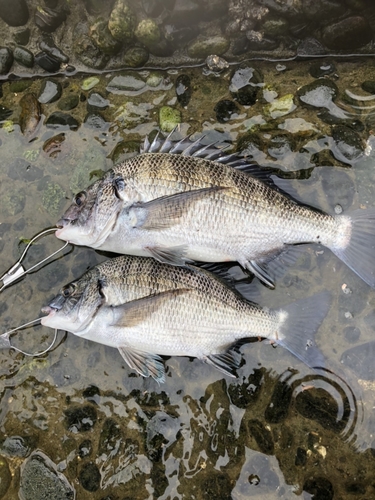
<point>5,477</point>
<point>23,57</point>
<point>47,62</point>
<point>349,33</point>
<point>348,145</point>
<point>59,119</point>
<point>319,93</point>
<point>50,91</point>
<point>147,32</point>
<point>121,23</point>
<point>30,115</point>
<point>6,60</point>
<point>225,109</point>
<point>245,85</point>
<point>85,49</point>
<point>41,480</point>
<point>169,118</point>
<point>14,13</point>
<point>203,47</point>
<point>48,19</point>
<point>183,89</point>
<point>103,39</point>
<point>89,477</point>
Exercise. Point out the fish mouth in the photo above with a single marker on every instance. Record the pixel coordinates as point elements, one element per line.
<point>63,222</point>
<point>49,310</point>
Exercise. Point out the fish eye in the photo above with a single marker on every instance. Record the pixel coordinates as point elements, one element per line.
<point>67,291</point>
<point>80,198</point>
<point>118,186</point>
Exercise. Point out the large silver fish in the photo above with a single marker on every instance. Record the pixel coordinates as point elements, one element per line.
<point>146,309</point>
<point>198,205</point>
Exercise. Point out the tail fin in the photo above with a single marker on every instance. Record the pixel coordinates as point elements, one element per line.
<point>300,323</point>
<point>359,254</point>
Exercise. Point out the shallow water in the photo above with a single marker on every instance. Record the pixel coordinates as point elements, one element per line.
<point>276,431</point>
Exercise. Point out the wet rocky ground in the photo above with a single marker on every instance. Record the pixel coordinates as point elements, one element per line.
<point>52,36</point>
<point>77,422</point>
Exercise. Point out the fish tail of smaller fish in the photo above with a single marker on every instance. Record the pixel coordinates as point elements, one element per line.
<point>357,248</point>
<point>299,323</point>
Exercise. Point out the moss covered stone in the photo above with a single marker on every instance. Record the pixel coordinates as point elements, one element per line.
<point>203,47</point>
<point>147,32</point>
<point>168,118</point>
<point>122,21</point>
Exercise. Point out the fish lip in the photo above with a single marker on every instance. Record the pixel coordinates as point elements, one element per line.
<point>63,222</point>
<point>48,310</point>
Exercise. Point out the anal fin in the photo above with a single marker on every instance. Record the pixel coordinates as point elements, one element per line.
<point>226,362</point>
<point>259,272</point>
<point>145,363</point>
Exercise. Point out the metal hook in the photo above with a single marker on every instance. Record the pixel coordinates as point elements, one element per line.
<point>5,340</point>
<point>17,270</point>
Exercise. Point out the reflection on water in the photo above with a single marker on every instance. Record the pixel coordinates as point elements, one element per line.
<point>278,430</point>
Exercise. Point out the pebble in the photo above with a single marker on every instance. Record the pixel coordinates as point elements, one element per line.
<point>6,60</point>
<point>183,89</point>
<point>96,102</point>
<point>30,115</point>
<point>50,91</point>
<point>322,68</point>
<point>41,480</point>
<point>80,418</point>
<point>59,119</point>
<point>245,85</point>
<point>90,83</point>
<point>68,102</point>
<point>47,62</point>
<point>121,22</point>
<point>89,477</point>
<point>319,487</point>
<point>349,33</point>
<point>5,477</point>
<point>202,47</point>
<point>147,32</point>
<point>15,446</point>
<point>124,83</point>
<point>95,120</point>
<point>48,19</point>
<point>169,118</point>
<point>348,144</point>
<point>23,57</point>
<point>48,46</point>
<point>338,209</point>
<point>319,93</point>
<point>216,63</point>
<point>225,110</point>
<point>14,13</point>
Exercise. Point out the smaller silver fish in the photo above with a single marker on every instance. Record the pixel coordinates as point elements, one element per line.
<point>146,309</point>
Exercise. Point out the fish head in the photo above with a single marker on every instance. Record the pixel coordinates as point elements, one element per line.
<point>76,305</point>
<point>93,213</point>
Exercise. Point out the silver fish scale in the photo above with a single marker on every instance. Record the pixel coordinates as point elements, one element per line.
<point>223,219</point>
<point>208,309</point>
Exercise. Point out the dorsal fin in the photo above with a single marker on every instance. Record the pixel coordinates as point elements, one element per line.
<point>214,151</point>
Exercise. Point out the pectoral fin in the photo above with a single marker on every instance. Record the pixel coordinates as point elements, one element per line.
<point>174,256</point>
<point>167,211</point>
<point>145,363</point>
<point>136,311</point>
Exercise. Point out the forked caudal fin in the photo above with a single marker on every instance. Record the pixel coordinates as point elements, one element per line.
<point>300,322</point>
<point>359,253</point>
